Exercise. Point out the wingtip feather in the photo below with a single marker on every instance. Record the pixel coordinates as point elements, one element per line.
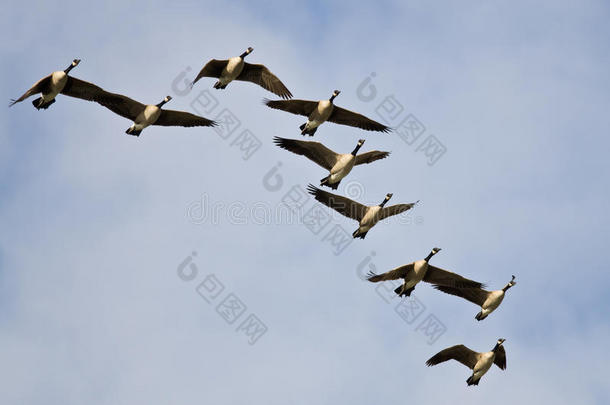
<point>311,189</point>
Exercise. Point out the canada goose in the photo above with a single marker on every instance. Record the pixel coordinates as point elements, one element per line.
<point>236,69</point>
<point>59,82</point>
<point>479,363</point>
<point>339,164</point>
<point>420,270</point>
<point>366,216</point>
<point>318,112</point>
<point>487,300</point>
<point>145,115</point>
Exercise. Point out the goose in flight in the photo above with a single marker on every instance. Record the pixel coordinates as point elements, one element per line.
<point>487,300</point>
<point>145,115</point>
<point>60,83</point>
<point>338,164</point>
<point>236,69</point>
<point>479,363</point>
<point>318,112</point>
<point>365,215</point>
<point>421,270</point>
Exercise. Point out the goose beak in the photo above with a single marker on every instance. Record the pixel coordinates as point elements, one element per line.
<point>250,49</point>
<point>75,62</point>
<point>167,99</point>
<point>361,142</point>
<point>336,93</point>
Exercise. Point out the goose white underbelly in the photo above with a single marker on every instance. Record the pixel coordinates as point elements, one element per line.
<point>419,271</point>
<point>232,70</point>
<point>493,301</point>
<point>342,168</point>
<point>483,365</point>
<point>370,218</point>
<point>147,117</point>
<point>58,82</point>
<point>320,114</point>
<point>313,124</point>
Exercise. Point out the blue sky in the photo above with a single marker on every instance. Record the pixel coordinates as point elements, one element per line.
<point>95,223</point>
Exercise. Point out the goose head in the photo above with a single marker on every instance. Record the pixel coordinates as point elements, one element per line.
<point>247,52</point>
<point>335,94</point>
<point>358,146</point>
<point>74,63</point>
<point>498,344</point>
<point>165,100</point>
<point>511,283</point>
<point>386,199</point>
<point>432,253</point>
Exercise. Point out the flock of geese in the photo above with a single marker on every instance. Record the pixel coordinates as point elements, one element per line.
<point>338,165</point>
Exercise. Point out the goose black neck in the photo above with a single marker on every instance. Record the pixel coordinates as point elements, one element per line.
<point>429,257</point>
<point>506,287</point>
<point>161,103</point>
<point>68,69</point>
<point>356,149</point>
<point>496,347</point>
<point>385,200</point>
<point>243,55</point>
<point>332,98</point>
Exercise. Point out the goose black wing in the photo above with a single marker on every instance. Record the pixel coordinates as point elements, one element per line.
<point>395,274</point>
<point>86,91</point>
<point>371,156</point>
<point>395,210</point>
<point>458,352</point>
<point>342,205</point>
<point>211,69</point>
<point>122,105</point>
<point>172,118</point>
<point>347,117</point>
<point>41,86</point>
<point>437,276</point>
<point>298,107</point>
<point>260,75</point>
<point>315,151</point>
<point>474,295</point>
<point>500,359</point>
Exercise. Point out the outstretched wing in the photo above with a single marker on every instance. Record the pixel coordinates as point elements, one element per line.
<point>347,117</point>
<point>342,205</point>
<point>474,295</point>
<point>122,105</point>
<point>395,210</point>
<point>371,156</point>
<point>395,274</point>
<point>260,75</point>
<point>437,276</point>
<point>458,352</point>
<point>313,150</point>
<point>211,69</point>
<point>40,86</point>
<point>500,359</point>
<point>171,118</point>
<point>298,107</point>
<point>86,91</point>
